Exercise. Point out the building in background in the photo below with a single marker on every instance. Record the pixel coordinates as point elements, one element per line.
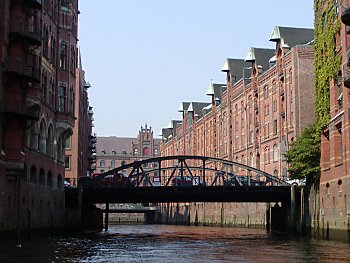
<point>113,151</point>
<point>78,147</point>
<point>332,21</point>
<point>38,76</point>
<point>266,102</point>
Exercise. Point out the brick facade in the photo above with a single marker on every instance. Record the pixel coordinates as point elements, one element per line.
<point>117,151</point>
<point>267,100</point>
<point>78,147</point>
<point>335,155</point>
<point>254,116</point>
<point>38,61</point>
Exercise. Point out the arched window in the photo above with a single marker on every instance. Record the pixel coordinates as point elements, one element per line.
<point>275,153</point>
<point>284,173</point>
<point>102,163</point>
<point>34,137</point>
<point>243,159</point>
<point>275,173</point>
<point>33,175</point>
<point>49,141</point>
<point>63,55</point>
<point>266,92</point>
<point>251,160</point>
<point>60,152</point>
<point>24,174</point>
<point>145,151</point>
<point>283,147</point>
<point>112,163</point>
<point>59,181</point>
<point>123,163</point>
<point>42,177</point>
<point>274,86</point>
<point>237,162</point>
<point>267,155</point>
<point>42,137</point>
<point>50,179</point>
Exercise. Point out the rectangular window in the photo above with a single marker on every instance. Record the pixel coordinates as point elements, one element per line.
<point>71,102</point>
<point>275,127</point>
<point>52,93</point>
<point>67,143</point>
<point>72,62</point>
<point>63,56</point>
<point>338,144</point>
<point>67,163</point>
<point>250,137</point>
<point>62,98</point>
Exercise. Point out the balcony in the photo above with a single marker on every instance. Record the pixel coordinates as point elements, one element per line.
<point>18,66</point>
<point>21,28</point>
<point>24,112</point>
<point>345,15</point>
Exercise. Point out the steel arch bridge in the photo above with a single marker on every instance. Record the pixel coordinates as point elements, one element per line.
<point>199,170</point>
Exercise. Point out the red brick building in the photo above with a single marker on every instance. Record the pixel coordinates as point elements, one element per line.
<point>335,155</point>
<point>79,147</point>
<point>115,151</point>
<point>267,100</point>
<point>38,58</point>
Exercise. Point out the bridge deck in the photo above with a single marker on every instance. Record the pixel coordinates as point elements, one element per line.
<point>188,194</point>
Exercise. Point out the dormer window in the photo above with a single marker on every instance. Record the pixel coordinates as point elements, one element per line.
<point>103,151</point>
<point>114,152</point>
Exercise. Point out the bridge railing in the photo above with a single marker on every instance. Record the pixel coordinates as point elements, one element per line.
<point>181,171</point>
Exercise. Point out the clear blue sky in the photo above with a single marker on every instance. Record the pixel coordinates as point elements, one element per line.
<point>144,57</point>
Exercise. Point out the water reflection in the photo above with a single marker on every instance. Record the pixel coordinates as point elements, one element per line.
<point>160,243</point>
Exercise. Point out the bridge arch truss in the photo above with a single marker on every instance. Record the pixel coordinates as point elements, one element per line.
<point>205,171</point>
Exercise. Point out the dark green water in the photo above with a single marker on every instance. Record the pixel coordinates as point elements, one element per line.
<point>161,243</point>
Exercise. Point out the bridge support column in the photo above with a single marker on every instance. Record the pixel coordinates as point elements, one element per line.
<point>106,216</point>
<point>150,217</point>
<point>268,217</point>
<point>293,207</point>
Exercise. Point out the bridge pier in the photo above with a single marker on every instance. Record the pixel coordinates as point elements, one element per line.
<point>284,217</point>
<point>106,217</point>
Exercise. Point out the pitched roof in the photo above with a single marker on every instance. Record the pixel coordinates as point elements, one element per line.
<point>292,36</point>
<point>216,90</point>
<point>183,106</point>
<point>113,143</point>
<point>197,108</point>
<point>117,144</point>
<point>261,56</point>
<point>235,67</point>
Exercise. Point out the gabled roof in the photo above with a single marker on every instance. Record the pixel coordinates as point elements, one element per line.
<point>113,143</point>
<point>261,56</point>
<point>292,36</point>
<point>235,67</point>
<point>183,106</point>
<point>216,90</point>
<point>197,108</point>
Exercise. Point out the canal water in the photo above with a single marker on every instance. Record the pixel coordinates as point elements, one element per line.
<point>163,243</point>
